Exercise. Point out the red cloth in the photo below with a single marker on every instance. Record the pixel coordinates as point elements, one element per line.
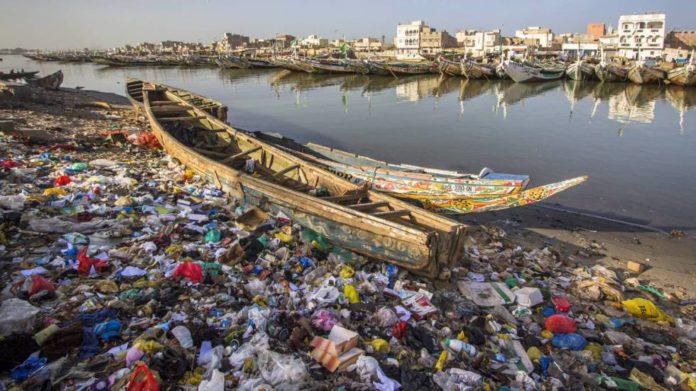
<point>39,284</point>
<point>148,139</point>
<point>560,324</point>
<point>86,263</point>
<point>190,270</point>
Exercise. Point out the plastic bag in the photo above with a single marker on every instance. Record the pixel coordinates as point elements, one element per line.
<point>216,382</point>
<point>646,309</point>
<point>454,379</point>
<point>351,294</point>
<point>85,263</point>
<point>560,324</point>
<point>191,270</point>
<point>570,341</point>
<point>386,317</point>
<point>368,368</point>
<point>16,316</point>
<point>324,320</point>
<point>183,335</point>
<point>143,379</point>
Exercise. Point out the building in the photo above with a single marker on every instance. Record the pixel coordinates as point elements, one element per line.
<point>583,48</point>
<point>367,45</point>
<point>407,40</point>
<point>536,36</point>
<point>314,41</point>
<point>433,41</point>
<point>641,36</point>
<point>284,40</point>
<point>681,39</point>
<point>230,42</point>
<point>596,30</point>
<point>479,43</point>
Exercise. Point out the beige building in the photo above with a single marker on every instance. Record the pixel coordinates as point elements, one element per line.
<point>433,41</point>
<point>367,45</point>
<point>536,36</point>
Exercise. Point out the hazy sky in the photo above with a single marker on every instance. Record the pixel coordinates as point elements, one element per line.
<point>54,24</point>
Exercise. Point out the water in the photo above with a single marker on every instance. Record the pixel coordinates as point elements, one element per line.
<point>637,143</point>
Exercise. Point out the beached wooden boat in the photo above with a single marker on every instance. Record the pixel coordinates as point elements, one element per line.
<point>17,75</point>
<point>134,93</point>
<point>524,72</point>
<point>581,70</point>
<point>640,73</point>
<point>351,216</point>
<point>684,75</point>
<point>442,191</point>
<point>51,82</point>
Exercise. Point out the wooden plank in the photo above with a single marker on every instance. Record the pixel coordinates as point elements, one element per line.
<point>241,154</point>
<point>187,118</point>
<point>342,198</point>
<point>392,213</point>
<point>165,103</point>
<point>369,205</point>
<point>286,169</point>
<point>209,152</point>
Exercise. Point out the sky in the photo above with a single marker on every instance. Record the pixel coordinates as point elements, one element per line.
<point>65,24</point>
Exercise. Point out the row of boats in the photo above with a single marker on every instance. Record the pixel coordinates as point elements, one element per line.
<point>388,211</point>
<point>51,82</point>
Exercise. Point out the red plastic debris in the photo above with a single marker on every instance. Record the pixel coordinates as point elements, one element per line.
<point>399,329</point>
<point>560,324</point>
<point>561,303</point>
<point>85,263</point>
<point>39,284</point>
<point>148,140</point>
<point>142,379</point>
<point>190,270</point>
<point>62,180</point>
<point>9,164</point>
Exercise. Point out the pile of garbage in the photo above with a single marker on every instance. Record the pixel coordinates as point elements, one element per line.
<point>123,270</point>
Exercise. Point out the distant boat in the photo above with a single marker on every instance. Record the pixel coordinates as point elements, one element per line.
<point>286,63</point>
<point>525,72</point>
<point>17,75</point>
<point>50,82</point>
<point>232,62</point>
<point>330,65</point>
<point>401,68</point>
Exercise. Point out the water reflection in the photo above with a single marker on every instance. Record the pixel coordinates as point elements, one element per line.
<point>682,100</point>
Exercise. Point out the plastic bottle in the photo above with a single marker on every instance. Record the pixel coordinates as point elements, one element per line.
<point>460,346</point>
<point>183,335</point>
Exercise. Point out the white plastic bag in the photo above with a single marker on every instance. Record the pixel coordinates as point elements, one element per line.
<point>17,316</point>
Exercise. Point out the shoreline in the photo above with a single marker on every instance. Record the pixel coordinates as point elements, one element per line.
<point>668,260</point>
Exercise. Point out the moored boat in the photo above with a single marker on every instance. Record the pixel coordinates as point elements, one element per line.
<point>287,63</point>
<point>684,75</point>
<point>443,191</point>
<point>402,68</point>
<point>449,67</point>
<point>330,65</point>
<point>581,70</point>
<point>51,82</point>
<point>475,70</point>
<point>640,73</point>
<point>524,72</point>
<point>373,224</point>
<point>232,62</point>
<point>611,72</point>
<point>134,93</point>
<point>17,75</point>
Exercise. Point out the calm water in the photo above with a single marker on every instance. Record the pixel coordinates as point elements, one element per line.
<point>637,144</point>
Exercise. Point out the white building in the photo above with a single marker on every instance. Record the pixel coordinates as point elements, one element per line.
<point>367,45</point>
<point>407,40</point>
<point>641,36</point>
<point>590,49</point>
<point>480,43</point>
<point>314,41</point>
<point>535,35</point>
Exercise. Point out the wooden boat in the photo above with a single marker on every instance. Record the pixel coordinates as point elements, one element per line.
<point>351,216</point>
<point>337,66</point>
<point>581,70</point>
<point>449,67</point>
<point>524,72</point>
<point>475,70</point>
<point>256,63</point>
<point>287,63</point>
<point>51,82</point>
<point>134,92</point>
<point>611,72</point>
<point>17,75</point>
<point>500,72</point>
<point>643,74</point>
<point>232,62</point>
<point>442,191</point>
<point>402,68</point>
<point>684,75</point>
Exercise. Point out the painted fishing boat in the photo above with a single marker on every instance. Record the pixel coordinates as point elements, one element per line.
<point>402,68</point>
<point>475,70</point>
<point>17,75</point>
<point>525,72</point>
<point>134,93</point>
<point>351,216</point>
<point>287,63</point>
<point>442,191</point>
<point>500,72</point>
<point>684,75</point>
<point>581,70</point>
<point>330,65</point>
<point>51,82</point>
<point>640,73</point>
<point>449,67</point>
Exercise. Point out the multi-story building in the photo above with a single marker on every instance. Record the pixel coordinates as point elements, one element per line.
<point>681,39</point>
<point>367,45</point>
<point>314,41</point>
<point>480,43</point>
<point>433,41</point>
<point>536,36</point>
<point>641,36</point>
<point>596,30</point>
<point>231,42</point>
<point>407,39</point>
<point>283,40</point>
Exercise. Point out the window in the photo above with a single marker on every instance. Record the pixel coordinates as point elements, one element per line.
<point>641,25</point>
